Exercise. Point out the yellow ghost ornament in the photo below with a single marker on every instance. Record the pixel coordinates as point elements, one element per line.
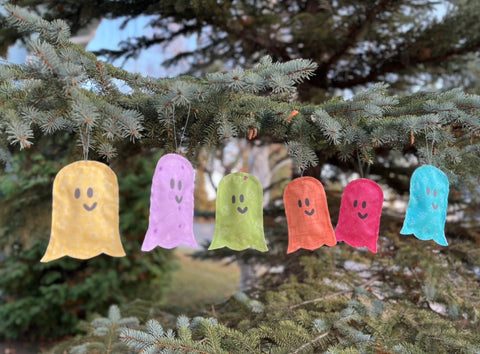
<point>84,212</point>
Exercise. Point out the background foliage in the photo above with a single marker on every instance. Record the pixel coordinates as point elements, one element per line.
<point>46,300</point>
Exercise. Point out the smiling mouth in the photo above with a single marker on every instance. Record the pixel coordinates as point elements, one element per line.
<point>179,200</point>
<point>90,208</point>
<point>434,206</point>
<point>242,211</point>
<point>310,213</point>
<point>362,216</point>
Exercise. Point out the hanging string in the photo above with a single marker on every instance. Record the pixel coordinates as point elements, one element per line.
<point>182,136</point>
<point>85,138</point>
<point>360,165</point>
<point>426,147</point>
<point>186,123</point>
<point>433,142</point>
<point>174,130</point>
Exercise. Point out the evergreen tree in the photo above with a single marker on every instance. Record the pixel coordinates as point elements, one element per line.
<point>64,89</point>
<point>355,43</point>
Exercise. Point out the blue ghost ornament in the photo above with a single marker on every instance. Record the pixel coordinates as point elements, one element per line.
<point>427,207</point>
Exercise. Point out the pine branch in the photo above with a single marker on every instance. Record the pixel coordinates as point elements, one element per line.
<point>313,341</point>
<point>334,295</point>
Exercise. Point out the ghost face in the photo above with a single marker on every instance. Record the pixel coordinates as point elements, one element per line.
<point>360,210</point>
<point>78,194</point>
<point>171,204</point>
<point>308,218</point>
<point>241,199</point>
<point>84,212</point>
<point>306,205</point>
<point>427,207</point>
<point>179,196</point>
<point>239,213</point>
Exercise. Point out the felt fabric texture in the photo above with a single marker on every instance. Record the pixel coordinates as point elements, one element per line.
<point>84,212</point>
<point>171,204</point>
<point>308,218</point>
<point>427,207</point>
<point>239,213</point>
<point>360,211</point>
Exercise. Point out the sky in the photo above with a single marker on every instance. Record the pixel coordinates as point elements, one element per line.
<point>109,36</point>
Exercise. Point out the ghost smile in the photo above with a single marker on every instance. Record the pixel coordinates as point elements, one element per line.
<point>179,200</point>
<point>434,206</point>
<point>310,213</point>
<point>362,216</point>
<point>242,211</point>
<point>90,208</point>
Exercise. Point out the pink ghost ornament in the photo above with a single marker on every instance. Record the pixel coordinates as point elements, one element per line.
<point>171,204</point>
<point>360,211</point>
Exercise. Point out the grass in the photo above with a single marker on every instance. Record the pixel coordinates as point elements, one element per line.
<point>198,284</point>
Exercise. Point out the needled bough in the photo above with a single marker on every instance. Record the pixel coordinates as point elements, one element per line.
<point>308,219</point>
<point>360,211</point>
<point>427,207</point>
<point>171,204</point>
<point>84,212</point>
<point>239,213</point>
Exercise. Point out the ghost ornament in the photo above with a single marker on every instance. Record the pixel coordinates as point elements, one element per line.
<point>84,213</point>
<point>239,213</point>
<point>360,211</point>
<point>427,207</point>
<point>308,219</point>
<point>171,204</point>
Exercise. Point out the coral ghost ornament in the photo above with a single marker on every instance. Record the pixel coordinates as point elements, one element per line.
<point>360,211</point>
<point>239,213</point>
<point>308,219</point>
<point>84,212</point>
<point>171,204</point>
<point>427,207</point>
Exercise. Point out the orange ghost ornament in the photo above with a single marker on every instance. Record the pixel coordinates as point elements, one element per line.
<point>309,224</point>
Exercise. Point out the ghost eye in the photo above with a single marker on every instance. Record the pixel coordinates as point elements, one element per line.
<point>241,198</point>
<point>355,204</point>
<point>364,204</point>
<point>307,202</point>
<point>172,183</point>
<point>299,203</point>
<point>435,193</point>
<point>233,199</point>
<point>77,193</point>
<point>428,190</point>
<point>90,192</point>
<point>179,185</point>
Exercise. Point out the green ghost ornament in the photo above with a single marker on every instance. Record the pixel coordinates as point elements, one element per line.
<point>239,213</point>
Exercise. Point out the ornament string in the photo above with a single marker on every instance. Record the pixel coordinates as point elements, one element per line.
<point>174,130</point>
<point>178,146</point>
<point>85,139</point>
<point>360,165</point>
<point>429,150</point>
<point>186,123</point>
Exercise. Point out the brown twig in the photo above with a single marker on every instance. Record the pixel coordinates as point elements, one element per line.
<point>339,293</point>
<point>314,340</point>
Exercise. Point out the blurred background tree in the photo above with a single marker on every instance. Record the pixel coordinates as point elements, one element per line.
<point>408,44</point>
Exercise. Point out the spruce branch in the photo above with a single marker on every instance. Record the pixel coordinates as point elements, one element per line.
<point>334,295</point>
<point>313,341</point>
<point>18,131</point>
<point>64,83</point>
